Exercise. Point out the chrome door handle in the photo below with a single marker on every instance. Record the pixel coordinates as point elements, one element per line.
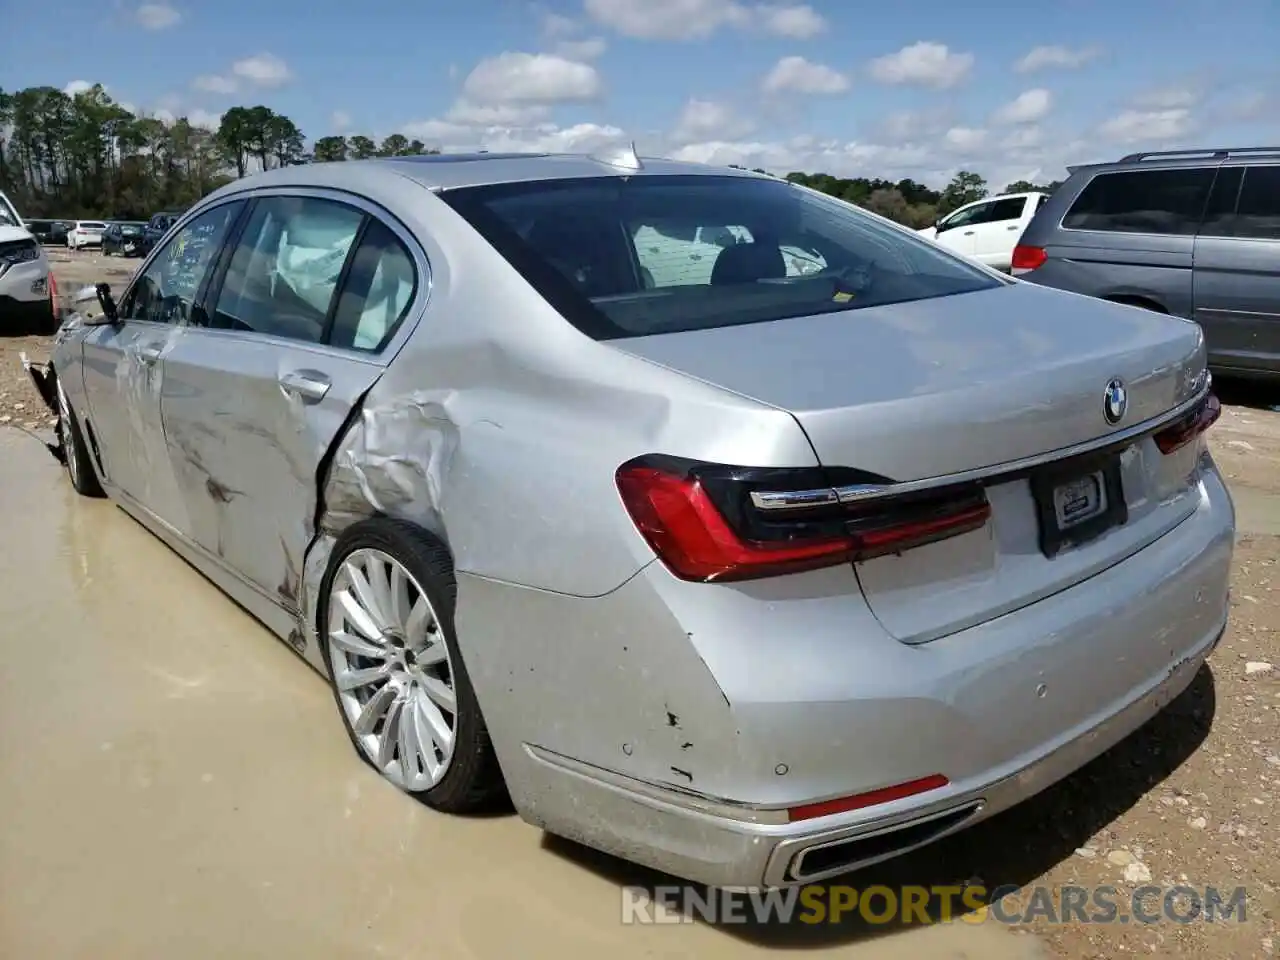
<point>148,355</point>
<point>309,384</point>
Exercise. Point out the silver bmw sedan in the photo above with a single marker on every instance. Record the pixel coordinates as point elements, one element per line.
<point>717,523</point>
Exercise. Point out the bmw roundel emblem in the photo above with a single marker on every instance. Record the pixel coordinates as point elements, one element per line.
<point>1115,401</point>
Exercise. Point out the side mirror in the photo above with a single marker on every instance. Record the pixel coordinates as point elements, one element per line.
<point>99,296</point>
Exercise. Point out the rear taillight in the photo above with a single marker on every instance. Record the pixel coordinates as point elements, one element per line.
<point>709,522</point>
<point>1026,259</point>
<point>1187,428</point>
<point>53,297</point>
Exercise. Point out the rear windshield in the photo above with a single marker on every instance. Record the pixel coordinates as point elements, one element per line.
<point>93,225</point>
<point>629,257</point>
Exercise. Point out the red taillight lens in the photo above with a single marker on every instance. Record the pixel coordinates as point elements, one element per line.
<point>53,297</point>
<point>1189,427</point>
<point>1028,258</point>
<point>690,528</point>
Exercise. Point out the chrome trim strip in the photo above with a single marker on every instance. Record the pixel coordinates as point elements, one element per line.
<point>800,499</point>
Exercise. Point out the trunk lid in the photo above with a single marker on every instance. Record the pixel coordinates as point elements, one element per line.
<point>921,390</point>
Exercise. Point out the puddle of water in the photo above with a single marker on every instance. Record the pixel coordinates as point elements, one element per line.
<point>178,784</point>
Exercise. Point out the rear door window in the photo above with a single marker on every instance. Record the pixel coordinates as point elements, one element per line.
<point>377,293</point>
<point>1167,202</point>
<point>284,273</point>
<point>1010,209</point>
<point>1258,210</point>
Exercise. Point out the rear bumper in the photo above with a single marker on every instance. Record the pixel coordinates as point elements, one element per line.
<point>673,724</point>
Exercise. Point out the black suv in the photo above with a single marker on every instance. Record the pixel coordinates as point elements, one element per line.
<point>156,228</point>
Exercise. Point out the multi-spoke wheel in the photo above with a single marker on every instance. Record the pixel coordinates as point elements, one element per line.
<point>387,624</point>
<point>75,450</point>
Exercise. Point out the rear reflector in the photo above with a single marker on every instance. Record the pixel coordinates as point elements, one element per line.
<point>1026,259</point>
<point>872,798</point>
<point>702,520</point>
<point>1189,427</point>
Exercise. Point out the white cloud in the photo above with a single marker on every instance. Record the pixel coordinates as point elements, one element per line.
<point>1027,107</point>
<point>77,86</point>
<point>697,19</point>
<point>1134,126</point>
<point>557,25</point>
<point>532,78</point>
<point>800,22</point>
<point>1023,138</point>
<point>1068,58</point>
<point>214,83</point>
<point>925,64</point>
<point>1169,98</point>
<point>965,138</point>
<point>204,118</point>
<point>542,138</point>
<point>798,75</point>
<point>708,120</point>
<point>164,115</point>
<point>262,70</point>
<point>157,16</point>
<point>339,121</point>
<point>469,114</point>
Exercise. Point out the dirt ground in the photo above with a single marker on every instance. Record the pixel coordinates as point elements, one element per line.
<point>1191,799</point>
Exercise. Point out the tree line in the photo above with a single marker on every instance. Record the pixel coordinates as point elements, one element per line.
<point>84,155</point>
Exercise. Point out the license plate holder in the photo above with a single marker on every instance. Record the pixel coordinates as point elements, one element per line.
<point>1078,502</point>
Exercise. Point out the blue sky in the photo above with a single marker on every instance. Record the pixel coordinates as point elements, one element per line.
<point>908,89</point>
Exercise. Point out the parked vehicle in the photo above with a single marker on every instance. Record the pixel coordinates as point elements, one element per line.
<point>28,297</point>
<point>754,579</point>
<point>85,233</point>
<point>156,228</point>
<point>1191,233</point>
<point>48,231</point>
<point>123,238</point>
<point>987,230</point>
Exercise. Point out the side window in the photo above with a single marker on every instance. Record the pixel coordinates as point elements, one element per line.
<point>1007,209</point>
<point>1142,201</point>
<point>377,293</point>
<point>1220,211</point>
<point>1044,198</point>
<point>164,293</point>
<point>284,273</point>
<point>978,213</point>
<point>1258,212</point>
<point>680,253</point>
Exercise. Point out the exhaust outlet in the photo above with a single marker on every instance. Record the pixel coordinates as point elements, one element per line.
<point>850,853</point>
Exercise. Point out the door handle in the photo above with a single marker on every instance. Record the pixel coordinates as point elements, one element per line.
<point>309,384</point>
<point>1014,227</point>
<point>148,355</point>
<point>969,233</point>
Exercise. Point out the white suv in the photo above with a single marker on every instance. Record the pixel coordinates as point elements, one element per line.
<point>85,233</point>
<point>27,293</point>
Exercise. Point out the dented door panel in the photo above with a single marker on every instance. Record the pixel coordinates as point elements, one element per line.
<point>123,378</point>
<point>246,439</point>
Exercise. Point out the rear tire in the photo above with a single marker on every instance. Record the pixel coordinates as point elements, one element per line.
<point>379,558</point>
<point>79,463</point>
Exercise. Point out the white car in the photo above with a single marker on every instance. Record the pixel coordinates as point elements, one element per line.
<point>85,233</point>
<point>27,294</point>
<point>987,230</point>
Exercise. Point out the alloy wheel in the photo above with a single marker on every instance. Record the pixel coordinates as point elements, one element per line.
<point>392,669</point>
<point>64,428</point>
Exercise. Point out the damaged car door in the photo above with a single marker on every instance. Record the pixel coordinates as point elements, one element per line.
<point>123,364</point>
<point>298,324</point>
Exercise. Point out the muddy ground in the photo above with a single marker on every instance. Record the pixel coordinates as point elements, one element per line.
<point>1193,798</point>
